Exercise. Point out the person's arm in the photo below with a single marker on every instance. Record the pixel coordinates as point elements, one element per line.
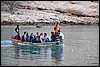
<point>13,37</point>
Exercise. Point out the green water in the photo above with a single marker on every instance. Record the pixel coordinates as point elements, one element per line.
<point>81,48</point>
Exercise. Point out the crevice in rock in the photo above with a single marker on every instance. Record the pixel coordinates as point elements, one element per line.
<point>83,15</point>
<point>60,11</point>
<point>41,9</point>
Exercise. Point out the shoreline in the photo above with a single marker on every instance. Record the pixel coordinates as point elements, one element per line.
<point>46,24</point>
<point>15,26</point>
<point>29,26</point>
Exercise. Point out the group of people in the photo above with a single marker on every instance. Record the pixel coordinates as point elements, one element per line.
<point>39,37</point>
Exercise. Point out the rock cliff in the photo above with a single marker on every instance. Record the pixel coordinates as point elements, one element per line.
<point>66,12</point>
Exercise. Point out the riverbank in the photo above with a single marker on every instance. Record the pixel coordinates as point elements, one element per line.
<point>64,23</point>
<point>47,12</point>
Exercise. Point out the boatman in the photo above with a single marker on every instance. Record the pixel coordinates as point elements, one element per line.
<point>17,29</point>
<point>56,27</point>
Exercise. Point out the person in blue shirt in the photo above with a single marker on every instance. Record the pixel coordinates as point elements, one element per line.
<point>46,38</point>
<point>27,37</point>
<point>31,37</point>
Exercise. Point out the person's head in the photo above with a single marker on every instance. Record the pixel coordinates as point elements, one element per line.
<point>59,31</point>
<point>31,34</point>
<point>45,34</point>
<point>60,37</point>
<point>17,25</point>
<point>25,32</point>
<point>41,34</point>
<point>37,33</point>
<point>52,32</point>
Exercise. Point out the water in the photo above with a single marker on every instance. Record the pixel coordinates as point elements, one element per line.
<point>81,48</point>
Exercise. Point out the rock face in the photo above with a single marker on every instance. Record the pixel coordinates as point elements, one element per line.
<point>67,12</point>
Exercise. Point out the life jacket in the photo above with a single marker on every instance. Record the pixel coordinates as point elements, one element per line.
<point>56,28</point>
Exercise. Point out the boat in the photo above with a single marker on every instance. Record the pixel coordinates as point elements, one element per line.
<point>18,42</point>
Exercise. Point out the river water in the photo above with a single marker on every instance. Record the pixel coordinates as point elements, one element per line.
<point>81,48</point>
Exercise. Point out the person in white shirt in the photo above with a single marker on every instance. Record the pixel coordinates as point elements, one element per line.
<point>41,37</point>
<point>61,35</point>
<point>17,29</point>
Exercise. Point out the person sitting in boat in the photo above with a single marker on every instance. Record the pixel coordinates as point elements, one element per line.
<point>31,37</point>
<point>61,36</point>
<point>34,39</point>
<point>41,37</point>
<point>17,29</point>
<point>46,38</point>
<point>17,37</point>
<point>61,40</point>
<point>58,39</point>
<point>27,37</point>
<point>24,37</point>
<point>37,38</point>
<point>53,37</point>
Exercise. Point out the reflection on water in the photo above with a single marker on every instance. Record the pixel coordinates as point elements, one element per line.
<point>39,52</point>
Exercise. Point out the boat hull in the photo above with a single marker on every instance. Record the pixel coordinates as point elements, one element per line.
<point>16,42</point>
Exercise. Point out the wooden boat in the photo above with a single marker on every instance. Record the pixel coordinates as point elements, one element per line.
<point>17,42</point>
